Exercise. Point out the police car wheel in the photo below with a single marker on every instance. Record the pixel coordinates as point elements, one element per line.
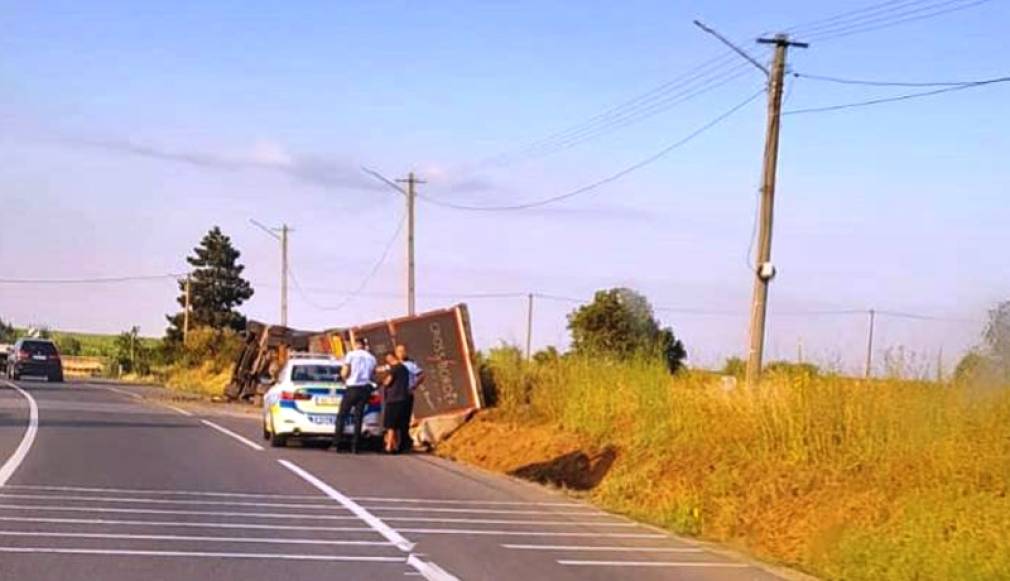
<point>278,440</point>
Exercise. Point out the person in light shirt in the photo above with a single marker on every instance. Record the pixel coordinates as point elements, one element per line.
<point>416,379</point>
<point>357,372</point>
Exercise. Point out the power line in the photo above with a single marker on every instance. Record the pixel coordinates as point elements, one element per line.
<point>873,24</point>
<point>856,13</point>
<point>630,117</point>
<point>897,98</point>
<point>658,95</point>
<point>96,280</point>
<point>845,81</point>
<point>613,177</point>
<point>361,287</point>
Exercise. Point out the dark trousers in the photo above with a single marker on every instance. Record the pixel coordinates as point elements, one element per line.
<point>406,444</point>
<point>354,400</point>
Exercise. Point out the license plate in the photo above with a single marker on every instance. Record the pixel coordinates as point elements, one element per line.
<point>39,357</point>
<point>327,400</point>
<point>323,420</point>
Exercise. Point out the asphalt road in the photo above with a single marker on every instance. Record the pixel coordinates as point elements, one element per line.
<point>109,485</point>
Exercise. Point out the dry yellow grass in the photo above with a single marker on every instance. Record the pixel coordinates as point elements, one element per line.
<point>844,478</point>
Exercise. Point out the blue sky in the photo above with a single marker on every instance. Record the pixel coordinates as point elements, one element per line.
<point>129,130</point>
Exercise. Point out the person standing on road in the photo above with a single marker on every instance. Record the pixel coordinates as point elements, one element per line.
<point>357,372</point>
<point>395,391</point>
<point>416,379</point>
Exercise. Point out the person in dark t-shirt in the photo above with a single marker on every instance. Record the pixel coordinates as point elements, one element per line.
<point>395,396</point>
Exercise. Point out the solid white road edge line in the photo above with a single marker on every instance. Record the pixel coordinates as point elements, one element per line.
<point>177,409</point>
<point>607,549</point>
<point>356,509</point>
<point>228,432</point>
<point>132,553</point>
<point>683,564</point>
<point>188,538</point>
<point>119,391</point>
<point>12,463</point>
<point>427,569</point>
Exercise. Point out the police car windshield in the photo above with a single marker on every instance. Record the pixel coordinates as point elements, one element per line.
<point>307,373</point>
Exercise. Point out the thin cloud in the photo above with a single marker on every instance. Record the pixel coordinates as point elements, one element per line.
<point>313,169</point>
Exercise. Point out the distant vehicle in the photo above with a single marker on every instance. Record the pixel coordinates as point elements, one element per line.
<point>5,350</point>
<point>35,358</point>
<point>305,400</point>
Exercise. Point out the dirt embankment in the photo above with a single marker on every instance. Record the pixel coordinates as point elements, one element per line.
<point>535,453</point>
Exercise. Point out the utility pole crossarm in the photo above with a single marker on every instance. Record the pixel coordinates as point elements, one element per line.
<point>734,47</point>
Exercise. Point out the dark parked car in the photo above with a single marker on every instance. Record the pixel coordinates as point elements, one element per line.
<point>35,358</point>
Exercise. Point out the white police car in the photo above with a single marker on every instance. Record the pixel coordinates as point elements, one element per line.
<point>305,400</point>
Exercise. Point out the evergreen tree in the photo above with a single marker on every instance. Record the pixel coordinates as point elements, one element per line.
<point>216,288</point>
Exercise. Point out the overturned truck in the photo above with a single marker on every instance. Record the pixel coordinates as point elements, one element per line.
<point>440,341</point>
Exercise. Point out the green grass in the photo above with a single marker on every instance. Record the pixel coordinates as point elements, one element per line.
<point>844,478</point>
<point>94,344</point>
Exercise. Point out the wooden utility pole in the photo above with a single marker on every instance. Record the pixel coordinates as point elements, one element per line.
<point>283,239</point>
<point>411,182</point>
<point>185,311</point>
<point>764,271</point>
<point>529,328</point>
<point>869,344</point>
<point>284,275</point>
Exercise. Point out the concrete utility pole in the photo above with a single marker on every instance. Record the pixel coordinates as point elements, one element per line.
<point>764,271</point>
<point>529,328</point>
<point>283,239</point>
<point>185,311</point>
<point>869,344</point>
<point>411,182</point>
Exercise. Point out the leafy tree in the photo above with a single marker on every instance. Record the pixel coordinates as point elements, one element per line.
<point>69,345</point>
<point>547,355</point>
<point>620,323</point>
<point>7,332</point>
<point>216,288</point>
<point>131,353</point>
<point>997,338</point>
<point>791,368</point>
<point>735,366</point>
<point>973,367</point>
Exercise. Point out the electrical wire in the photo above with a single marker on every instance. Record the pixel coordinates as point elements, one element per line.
<point>97,280</point>
<point>873,24</point>
<point>905,97</point>
<point>361,287</point>
<point>856,13</point>
<point>651,97</point>
<point>844,81</point>
<point>613,122</point>
<point>611,178</point>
